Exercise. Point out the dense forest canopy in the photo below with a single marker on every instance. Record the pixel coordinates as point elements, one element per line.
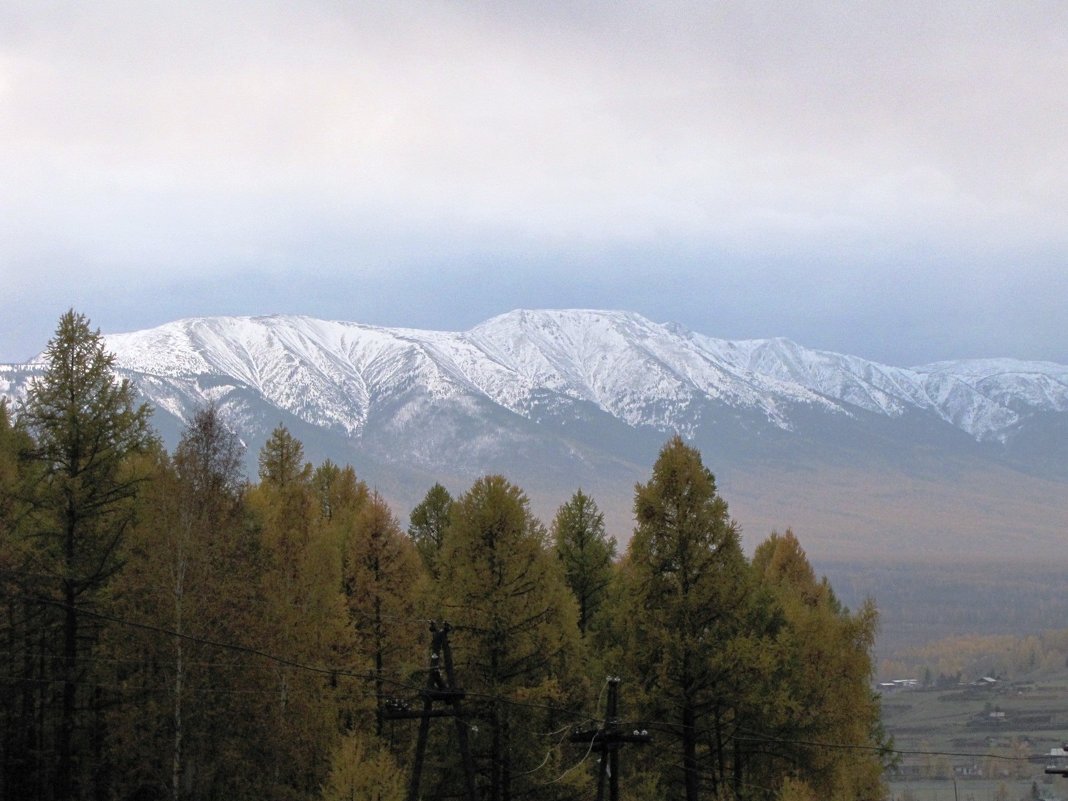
<point>171,630</point>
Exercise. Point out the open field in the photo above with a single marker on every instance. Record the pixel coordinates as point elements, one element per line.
<point>993,740</point>
<point>978,742</point>
<point>976,790</point>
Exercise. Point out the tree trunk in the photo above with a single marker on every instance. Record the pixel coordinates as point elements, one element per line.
<point>65,740</point>
<point>506,766</point>
<point>689,753</point>
<point>495,765</point>
<point>180,567</point>
<point>176,766</point>
<point>379,665</point>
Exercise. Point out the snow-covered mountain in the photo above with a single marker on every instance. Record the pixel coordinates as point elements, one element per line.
<point>644,374</point>
<point>565,395</point>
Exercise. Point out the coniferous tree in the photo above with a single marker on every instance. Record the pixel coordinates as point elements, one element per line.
<point>821,691</point>
<point>15,498</point>
<point>85,424</point>
<point>427,524</point>
<point>193,567</point>
<point>361,769</point>
<point>586,552</point>
<point>306,618</point>
<point>24,697</point>
<point>687,590</point>
<point>12,443</point>
<point>516,634</point>
<point>384,580</point>
<point>341,498</point>
<point>340,494</point>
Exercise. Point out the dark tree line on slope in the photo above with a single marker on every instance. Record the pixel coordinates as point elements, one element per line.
<point>169,630</point>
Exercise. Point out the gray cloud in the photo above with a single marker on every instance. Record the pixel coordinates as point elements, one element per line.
<point>818,165</point>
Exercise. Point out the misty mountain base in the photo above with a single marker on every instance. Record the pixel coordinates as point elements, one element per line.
<point>173,631</point>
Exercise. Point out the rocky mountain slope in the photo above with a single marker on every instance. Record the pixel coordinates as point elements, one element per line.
<point>558,398</point>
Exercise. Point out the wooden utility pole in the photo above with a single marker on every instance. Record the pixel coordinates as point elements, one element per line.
<point>443,690</point>
<point>608,740</point>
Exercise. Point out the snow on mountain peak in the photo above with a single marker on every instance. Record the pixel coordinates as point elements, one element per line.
<point>334,374</point>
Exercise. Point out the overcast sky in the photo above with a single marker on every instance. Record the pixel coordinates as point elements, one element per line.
<point>886,179</point>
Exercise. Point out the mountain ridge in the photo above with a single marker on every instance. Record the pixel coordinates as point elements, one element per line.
<point>569,397</point>
<point>579,352</point>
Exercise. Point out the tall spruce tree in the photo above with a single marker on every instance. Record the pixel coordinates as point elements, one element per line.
<point>427,524</point>
<point>586,552</point>
<point>85,424</point>
<point>305,610</point>
<point>341,495</point>
<point>821,691</point>
<point>516,635</point>
<point>384,583</point>
<point>686,586</point>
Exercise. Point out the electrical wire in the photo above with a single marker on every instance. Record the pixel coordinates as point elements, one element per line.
<point>886,749</point>
<point>330,671</point>
<point>548,754</point>
<point>584,758</point>
<point>281,660</point>
<point>133,689</point>
<point>338,672</point>
<point>592,740</point>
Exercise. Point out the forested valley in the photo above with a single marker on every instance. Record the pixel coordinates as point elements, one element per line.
<point>169,629</point>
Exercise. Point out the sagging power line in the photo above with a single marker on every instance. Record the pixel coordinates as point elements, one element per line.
<point>334,672</point>
<point>608,739</point>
